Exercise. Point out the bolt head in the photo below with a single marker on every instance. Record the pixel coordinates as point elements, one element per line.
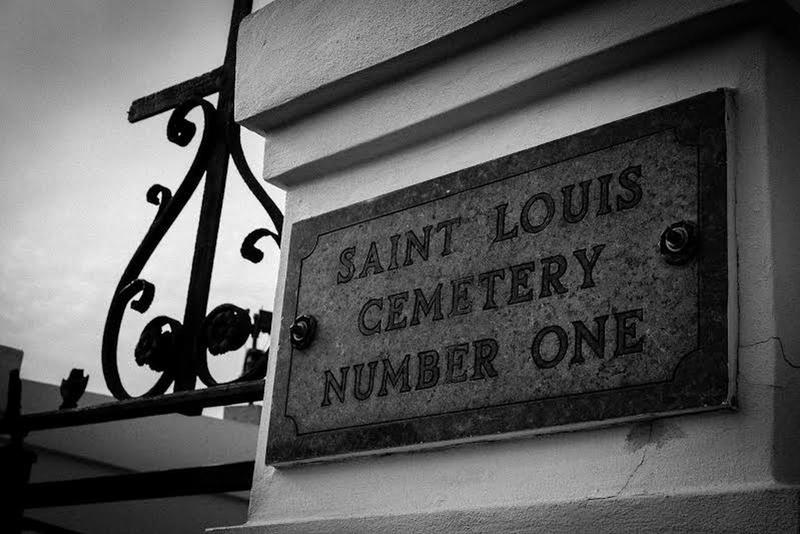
<point>303,331</point>
<point>676,239</point>
<point>679,243</point>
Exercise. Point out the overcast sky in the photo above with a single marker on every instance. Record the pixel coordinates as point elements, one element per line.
<point>74,175</point>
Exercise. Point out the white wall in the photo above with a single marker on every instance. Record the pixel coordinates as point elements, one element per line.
<point>783,141</point>
<point>747,453</point>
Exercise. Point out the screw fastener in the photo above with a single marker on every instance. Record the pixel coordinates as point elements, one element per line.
<point>679,242</point>
<point>302,331</point>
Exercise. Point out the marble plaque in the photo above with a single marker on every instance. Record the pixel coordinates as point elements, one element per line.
<point>579,282</point>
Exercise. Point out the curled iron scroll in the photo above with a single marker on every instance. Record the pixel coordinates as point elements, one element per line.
<point>159,339</point>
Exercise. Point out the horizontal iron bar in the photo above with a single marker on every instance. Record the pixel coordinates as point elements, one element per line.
<point>203,480</point>
<point>141,407</point>
<point>171,97</point>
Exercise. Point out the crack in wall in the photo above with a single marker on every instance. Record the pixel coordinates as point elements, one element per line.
<point>780,344</point>
<point>759,384</point>
<point>635,470</point>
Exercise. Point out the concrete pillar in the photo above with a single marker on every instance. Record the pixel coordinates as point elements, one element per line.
<point>356,99</point>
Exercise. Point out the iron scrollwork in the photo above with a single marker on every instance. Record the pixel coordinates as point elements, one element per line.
<point>176,350</point>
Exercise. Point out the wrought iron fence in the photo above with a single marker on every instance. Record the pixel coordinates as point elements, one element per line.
<point>176,350</point>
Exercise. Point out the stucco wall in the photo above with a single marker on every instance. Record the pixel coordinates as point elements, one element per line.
<point>783,140</point>
<point>746,453</point>
<point>528,63</point>
<point>339,39</point>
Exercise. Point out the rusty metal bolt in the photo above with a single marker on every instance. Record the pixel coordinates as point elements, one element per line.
<point>302,331</point>
<point>679,242</point>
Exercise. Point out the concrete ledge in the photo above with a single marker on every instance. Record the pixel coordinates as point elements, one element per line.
<point>298,55</point>
<point>751,509</point>
<point>539,59</point>
<point>296,99</point>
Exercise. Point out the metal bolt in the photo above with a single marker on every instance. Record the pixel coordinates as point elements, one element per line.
<point>676,239</point>
<point>302,331</point>
<point>678,243</point>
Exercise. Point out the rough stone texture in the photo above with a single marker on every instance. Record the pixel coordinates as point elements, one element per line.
<point>345,271</point>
